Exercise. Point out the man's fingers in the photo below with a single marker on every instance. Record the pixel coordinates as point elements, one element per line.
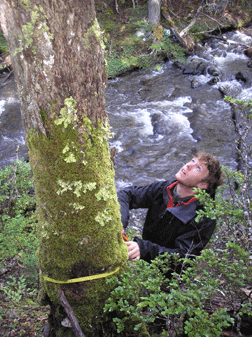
<point>133,250</point>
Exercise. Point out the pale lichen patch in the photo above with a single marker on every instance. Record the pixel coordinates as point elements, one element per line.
<point>68,114</point>
<point>94,30</point>
<point>103,217</point>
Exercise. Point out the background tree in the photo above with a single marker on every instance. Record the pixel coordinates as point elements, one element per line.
<point>154,10</point>
<point>57,56</point>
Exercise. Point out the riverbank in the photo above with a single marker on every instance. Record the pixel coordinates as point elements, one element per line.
<point>131,43</point>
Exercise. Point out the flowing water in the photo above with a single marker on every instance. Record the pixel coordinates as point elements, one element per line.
<point>160,118</point>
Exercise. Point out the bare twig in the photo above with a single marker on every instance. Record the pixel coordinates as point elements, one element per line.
<point>71,315</point>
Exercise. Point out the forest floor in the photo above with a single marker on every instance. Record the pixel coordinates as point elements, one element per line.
<point>22,316</point>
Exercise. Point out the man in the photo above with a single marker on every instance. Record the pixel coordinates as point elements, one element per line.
<point>170,221</point>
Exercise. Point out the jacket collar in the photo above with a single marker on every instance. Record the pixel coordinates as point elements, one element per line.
<point>183,211</point>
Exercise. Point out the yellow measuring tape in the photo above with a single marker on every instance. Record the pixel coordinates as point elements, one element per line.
<point>82,279</point>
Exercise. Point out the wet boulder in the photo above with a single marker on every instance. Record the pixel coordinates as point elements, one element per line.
<point>230,89</point>
<point>249,64</point>
<point>240,77</point>
<point>195,83</point>
<point>248,52</point>
<point>213,81</point>
<point>195,67</point>
<point>213,71</point>
<point>158,124</point>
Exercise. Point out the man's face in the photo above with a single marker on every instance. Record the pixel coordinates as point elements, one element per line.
<point>192,174</point>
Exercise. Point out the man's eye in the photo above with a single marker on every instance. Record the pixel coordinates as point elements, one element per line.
<point>198,168</point>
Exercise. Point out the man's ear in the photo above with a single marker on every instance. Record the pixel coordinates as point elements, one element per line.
<point>203,185</point>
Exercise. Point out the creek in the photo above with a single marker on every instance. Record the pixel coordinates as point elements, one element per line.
<point>161,118</point>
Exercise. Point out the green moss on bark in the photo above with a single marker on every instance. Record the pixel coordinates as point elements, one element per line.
<point>79,226</point>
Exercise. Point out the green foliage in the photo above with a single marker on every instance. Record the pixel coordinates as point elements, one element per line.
<point>132,44</point>
<point>127,58</point>
<point>3,44</point>
<point>17,218</point>
<point>108,25</point>
<point>138,294</point>
<point>243,105</point>
<point>246,4</point>
<point>172,49</point>
<point>183,304</point>
<point>15,289</point>
<point>127,298</point>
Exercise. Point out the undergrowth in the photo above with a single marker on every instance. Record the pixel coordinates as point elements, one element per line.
<point>133,43</point>
<point>17,218</point>
<point>3,44</point>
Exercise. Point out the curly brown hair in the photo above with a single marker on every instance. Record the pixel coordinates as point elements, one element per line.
<point>214,178</point>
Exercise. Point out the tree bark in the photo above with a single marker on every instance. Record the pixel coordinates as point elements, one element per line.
<point>60,74</point>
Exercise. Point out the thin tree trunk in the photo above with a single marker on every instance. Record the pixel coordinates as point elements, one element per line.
<point>154,9</point>
<point>60,75</point>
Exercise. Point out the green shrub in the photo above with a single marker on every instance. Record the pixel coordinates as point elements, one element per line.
<point>3,44</point>
<point>17,217</point>
<point>184,305</point>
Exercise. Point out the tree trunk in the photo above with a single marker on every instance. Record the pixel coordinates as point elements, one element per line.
<point>60,75</point>
<point>154,8</point>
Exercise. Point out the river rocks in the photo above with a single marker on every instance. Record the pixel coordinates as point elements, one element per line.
<point>248,52</point>
<point>195,83</point>
<point>249,64</point>
<point>213,81</point>
<point>195,67</point>
<point>159,127</point>
<point>240,77</point>
<point>230,89</point>
<point>213,71</point>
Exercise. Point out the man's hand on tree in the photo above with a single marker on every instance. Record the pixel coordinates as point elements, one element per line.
<point>133,250</point>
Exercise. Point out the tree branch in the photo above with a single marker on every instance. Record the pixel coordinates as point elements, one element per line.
<point>71,315</point>
<point>174,30</point>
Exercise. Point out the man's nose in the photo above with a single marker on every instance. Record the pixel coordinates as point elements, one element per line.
<point>189,167</point>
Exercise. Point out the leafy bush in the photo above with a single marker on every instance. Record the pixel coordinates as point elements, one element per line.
<point>184,305</point>
<point>172,49</point>
<point>3,44</point>
<point>17,217</point>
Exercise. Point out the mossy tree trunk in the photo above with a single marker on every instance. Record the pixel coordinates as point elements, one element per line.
<point>57,56</point>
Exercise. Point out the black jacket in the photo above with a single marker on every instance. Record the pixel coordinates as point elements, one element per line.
<point>171,230</point>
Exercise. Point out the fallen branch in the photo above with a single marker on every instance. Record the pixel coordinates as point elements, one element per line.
<point>180,35</point>
<point>174,30</point>
<point>5,79</point>
<point>71,315</point>
<point>209,17</point>
<point>185,30</point>
<point>223,39</point>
